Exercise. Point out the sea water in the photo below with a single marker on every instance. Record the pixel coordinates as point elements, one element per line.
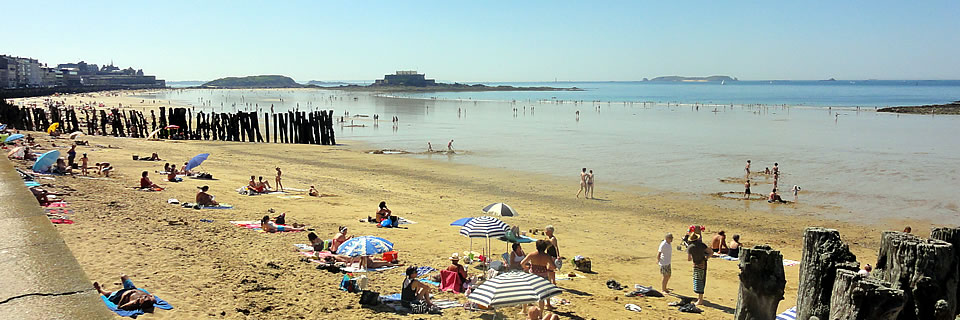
<point>851,162</point>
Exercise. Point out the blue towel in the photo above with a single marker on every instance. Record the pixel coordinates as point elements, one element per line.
<point>424,270</point>
<point>160,304</point>
<point>390,297</point>
<point>430,282</point>
<point>32,183</point>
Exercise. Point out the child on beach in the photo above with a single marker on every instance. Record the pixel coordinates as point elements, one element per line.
<point>83,164</point>
<point>279,185</point>
<point>313,192</point>
<point>747,168</point>
<point>746,189</point>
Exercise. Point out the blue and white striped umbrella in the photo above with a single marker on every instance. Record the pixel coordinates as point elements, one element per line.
<point>484,227</point>
<point>364,246</point>
<point>500,209</point>
<point>513,288</point>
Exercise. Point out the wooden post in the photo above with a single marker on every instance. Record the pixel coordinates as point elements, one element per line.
<point>333,140</point>
<point>951,236</point>
<point>823,254</point>
<point>924,269</point>
<point>761,283</point>
<point>856,297</point>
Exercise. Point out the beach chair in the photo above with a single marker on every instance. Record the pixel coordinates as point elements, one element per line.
<point>450,282</point>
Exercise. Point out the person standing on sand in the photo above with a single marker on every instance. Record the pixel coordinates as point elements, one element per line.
<point>553,251</point>
<point>71,155</point>
<point>429,147</point>
<point>589,185</point>
<point>746,189</point>
<point>747,168</point>
<point>664,256</point>
<point>279,174</point>
<point>583,182</point>
<point>698,253</point>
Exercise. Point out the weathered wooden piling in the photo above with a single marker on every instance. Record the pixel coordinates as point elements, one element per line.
<point>762,283</point>
<point>823,254</point>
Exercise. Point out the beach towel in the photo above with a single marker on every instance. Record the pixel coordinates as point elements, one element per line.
<point>406,221</point>
<point>790,314</point>
<point>428,281</point>
<point>60,204</point>
<point>61,221</point>
<point>788,262</point>
<point>450,281</point>
<point>729,258</point>
<point>424,270</point>
<point>191,205</point>
<point>632,307</point>
<point>32,183</point>
<point>357,269</point>
<point>446,304</point>
<point>290,197</point>
<point>160,304</point>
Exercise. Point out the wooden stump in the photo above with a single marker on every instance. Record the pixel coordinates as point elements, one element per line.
<point>761,283</point>
<point>856,297</point>
<point>951,236</point>
<point>823,254</point>
<point>924,269</point>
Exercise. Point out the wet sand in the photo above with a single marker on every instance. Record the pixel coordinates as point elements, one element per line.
<point>217,270</point>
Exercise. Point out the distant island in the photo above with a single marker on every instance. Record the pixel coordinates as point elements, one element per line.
<point>411,81</point>
<point>693,79</point>
<point>402,81</point>
<point>262,81</point>
<point>952,108</point>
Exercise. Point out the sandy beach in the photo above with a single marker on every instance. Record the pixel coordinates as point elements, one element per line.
<point>217,270</point>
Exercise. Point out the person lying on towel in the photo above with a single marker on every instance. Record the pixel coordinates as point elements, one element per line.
<point>270,226</point>
<point>128,298</point>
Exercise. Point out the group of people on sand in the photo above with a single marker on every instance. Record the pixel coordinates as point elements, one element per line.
<point>698,252</point>
<point>773,196</point>
<point>586,184</point>
<point>258,185</point>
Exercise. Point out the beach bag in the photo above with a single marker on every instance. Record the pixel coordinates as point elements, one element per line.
<point>369,298</point>
<point>348,285</point>
<point>582,264</point>
<point>386,223</point>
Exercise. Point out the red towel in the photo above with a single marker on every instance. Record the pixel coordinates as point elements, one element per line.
<point>450,281</point>
<point>61,221</point>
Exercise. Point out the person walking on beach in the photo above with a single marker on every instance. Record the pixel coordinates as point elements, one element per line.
<point>664,256</point>
<point>746,189</point>
<point>747,168</point>
<point>583,182</point>
<point>698,252</point>
<point>589,184</point>
<point>279,174</point>
<point>450,146</point>
<point>429,147</point>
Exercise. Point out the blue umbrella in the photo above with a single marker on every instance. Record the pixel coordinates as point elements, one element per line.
<point>46,160</point>
<point>197,160</point>
<point>461,222</point>
<point>364,246</point>
<point>13,137</point>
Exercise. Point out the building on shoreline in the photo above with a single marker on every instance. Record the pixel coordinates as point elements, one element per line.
<point>406,78</point>
<point>17,72</point>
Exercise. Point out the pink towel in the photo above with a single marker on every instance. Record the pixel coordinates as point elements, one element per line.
<point>450,281</point>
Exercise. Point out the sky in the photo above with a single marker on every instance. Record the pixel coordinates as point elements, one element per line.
<point>495,40</point>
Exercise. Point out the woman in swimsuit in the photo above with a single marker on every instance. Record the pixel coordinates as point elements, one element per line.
<point>541,264</point>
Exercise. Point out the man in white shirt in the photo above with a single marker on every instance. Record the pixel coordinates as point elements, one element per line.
<point>663,259</point>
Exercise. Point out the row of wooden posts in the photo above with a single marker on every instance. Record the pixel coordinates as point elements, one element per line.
<point>914,279</point>
<point>315,127</point>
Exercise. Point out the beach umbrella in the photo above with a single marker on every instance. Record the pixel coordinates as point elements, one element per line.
<point>13,137</point>
<point>484,227</point>
<point>197,160</point>
<point>500,209</point>
<point>53,127</point>
<point>46,160</point>
<point>153,135</point>
<point>17,153</point>
<point>75,135</point>
<point>364,246</point>
<point>461,222</point>
<point>513,288</point>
